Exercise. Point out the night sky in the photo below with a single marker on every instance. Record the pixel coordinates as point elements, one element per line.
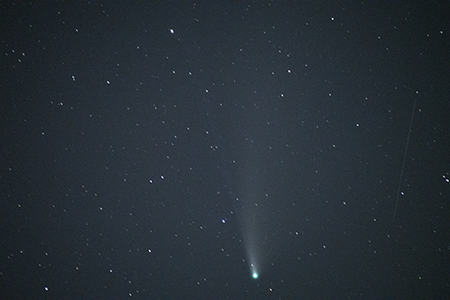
<point>176,150</point>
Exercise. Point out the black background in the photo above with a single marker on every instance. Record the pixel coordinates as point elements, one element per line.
<point>132,157</point>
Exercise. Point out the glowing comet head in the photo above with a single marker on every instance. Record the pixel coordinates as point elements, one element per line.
<point>254,271</point>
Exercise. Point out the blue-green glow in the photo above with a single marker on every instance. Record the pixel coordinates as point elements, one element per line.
<point>255,275</point>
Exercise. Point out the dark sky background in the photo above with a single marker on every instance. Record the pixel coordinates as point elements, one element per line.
<point>158,150</point>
